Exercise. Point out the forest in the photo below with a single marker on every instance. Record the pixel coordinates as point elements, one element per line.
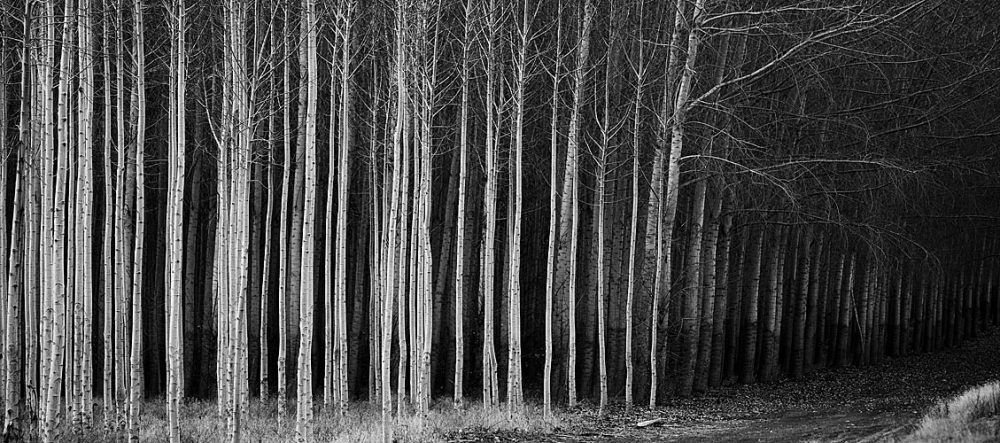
<point>314,205</point>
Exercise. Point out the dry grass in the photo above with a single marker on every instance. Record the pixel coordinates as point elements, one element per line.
<point>362,423</point>
<point>973,416</point>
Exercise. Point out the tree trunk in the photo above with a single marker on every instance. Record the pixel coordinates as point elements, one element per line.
<point>462,215</point>
<point>812,306</point>
<point>719,337</point>
<point>304,413</point>
<point>708,312</point>
<point>748,375</point>
<point>135,353</point>
<point>551,258</point>
<point>846,309</point>
<point>566,264</point>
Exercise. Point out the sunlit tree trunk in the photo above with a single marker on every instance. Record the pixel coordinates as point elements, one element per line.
<point>550,269</point>
<point>463,179</point>
<point>110,255</point>
<point>601,173</point>
<point>123,247</point>
<point>515,395</point>
<point>59,295</point>
<point>490,388</point>
<point>637,121</point>
<point>31,135</point>
<point>673,189</point>
<point>7,156</point>
<point>265,296</point>
<point>175,211</point>
<point>330,255</point>
<point>304,413</point>
<point>283,238</point>
<point>135,352</point>
<point>569,230</point>
<point>342,200</point>
<point>657,270</point>
<point>15,282</point>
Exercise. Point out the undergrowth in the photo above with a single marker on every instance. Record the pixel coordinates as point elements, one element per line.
<point>362,423</point>
<point>972,416</point>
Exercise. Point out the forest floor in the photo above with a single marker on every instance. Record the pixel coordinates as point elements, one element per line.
<point>882,402</point>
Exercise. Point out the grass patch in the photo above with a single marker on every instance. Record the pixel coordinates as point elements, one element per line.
<point>972,416</point>
<point>362,423</point>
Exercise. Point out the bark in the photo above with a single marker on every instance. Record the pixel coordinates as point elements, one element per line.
<point>749,360</point>
<point>569,224</point>
<point>462,213</point>
<point>846,309</point>
<point>284,239</point>
<point>634,224</point>
<point>135,352</point>
<point>14,279</point>
<point>304,413</point>
<point>175,209</point>
<point>515,395</point>
<point>719,338</point>
<point>812,306</point>
<point>798,351</point>
<point>109,253</point>
<point>709,267</point>
<point>735,310</point>
<point>692,295</point>
<point>653,257</point>
<point>772,315</point>
<point>490,386</point>
<point>550,270</point>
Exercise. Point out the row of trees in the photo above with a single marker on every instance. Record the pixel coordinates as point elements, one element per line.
<point>634,200</point>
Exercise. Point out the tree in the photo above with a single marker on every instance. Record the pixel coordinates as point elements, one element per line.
<point>304,414</point>
<point>175,208</point>
<point>463,179</point>
<point>139,103</point>
<point>490,388</point>
<point>550,271</point>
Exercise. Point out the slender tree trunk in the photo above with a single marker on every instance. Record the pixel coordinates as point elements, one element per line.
<point>343,200</point>
<point>640,70</point>
<point>283,238</point>
<point>715,365</point>
<point>812,306</point>
<point>175,210</point>
<point>515,395</point>
<point>135,352</point>
<point>846,308</point>
<point>772,315</point>
<point>110,255</point>
<point>749,350</point>
<point>15,284</point>
<point>550,269</point>
<point>490,387</point>
<point>460,234</point>
<point>707,328</point>
<point>304,413</point>
<point>735,310</point>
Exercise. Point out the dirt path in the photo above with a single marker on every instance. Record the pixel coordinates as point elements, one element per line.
<point>874,403</point>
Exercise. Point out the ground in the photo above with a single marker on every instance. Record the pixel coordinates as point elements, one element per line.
<point>877,403</point>
<point>883,402</point>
